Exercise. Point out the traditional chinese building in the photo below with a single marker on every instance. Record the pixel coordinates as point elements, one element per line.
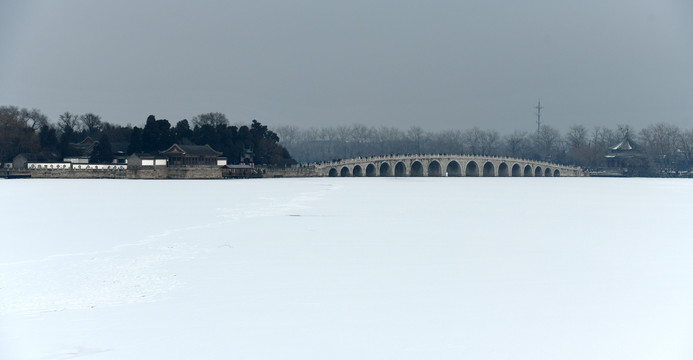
<point>626,157</point>
<point>193,156</point>
<point>81,151</point>
<point>247,156</point>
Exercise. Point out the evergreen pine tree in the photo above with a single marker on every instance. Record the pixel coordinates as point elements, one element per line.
<point>102,152</point>
<point>135,145</point>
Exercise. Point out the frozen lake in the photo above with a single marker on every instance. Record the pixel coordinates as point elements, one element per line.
<point>347,268</point>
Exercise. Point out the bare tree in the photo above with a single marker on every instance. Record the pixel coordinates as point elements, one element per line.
<point>33,118</point>
<point>362,140</point>
<point>416,135</point>
<point>68,120</point>
<point>660,141</point>
<point>472,137</point>
<point>625,130</point>
<point>449,142</point>
<point>10,111</point>
<point>685,147</point>
<point>213,119</point>
<point>392,140</point>
<point>518,144</point>
<point>289,135</point>
<point>576,136</point>
<point>15,135</point>
<point>604,138</point>
<point>549,144</point>
<point>91,123</point>
<point>579,149</point>
<point>489,142</point>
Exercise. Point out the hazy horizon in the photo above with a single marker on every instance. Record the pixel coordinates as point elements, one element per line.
<point>310,64</point>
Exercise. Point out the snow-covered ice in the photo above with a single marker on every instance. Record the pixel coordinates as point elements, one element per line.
<point>347,268</point>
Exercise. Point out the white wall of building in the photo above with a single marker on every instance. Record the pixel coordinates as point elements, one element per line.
<point>76,160</point>
<point>99,167</point>
<point>54,166</point>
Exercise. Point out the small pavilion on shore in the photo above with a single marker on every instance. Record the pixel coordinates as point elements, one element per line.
<point>626,157</point>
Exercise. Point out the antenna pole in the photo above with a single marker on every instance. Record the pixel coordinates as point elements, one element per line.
<point>539,107</point>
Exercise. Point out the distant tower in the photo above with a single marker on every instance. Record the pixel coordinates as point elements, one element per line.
<point>539,107</point>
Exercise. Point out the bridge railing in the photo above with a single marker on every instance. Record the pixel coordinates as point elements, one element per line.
<point>395,157</point>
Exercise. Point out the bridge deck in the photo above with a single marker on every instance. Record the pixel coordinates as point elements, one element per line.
<point>445,165</point>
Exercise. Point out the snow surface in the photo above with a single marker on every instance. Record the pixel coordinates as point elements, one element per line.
<point>355,268</point>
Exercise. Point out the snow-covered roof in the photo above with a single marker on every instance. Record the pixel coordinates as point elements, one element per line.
<point>624,145</point>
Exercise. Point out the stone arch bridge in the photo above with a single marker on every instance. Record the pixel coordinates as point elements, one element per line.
<point>444,165</point>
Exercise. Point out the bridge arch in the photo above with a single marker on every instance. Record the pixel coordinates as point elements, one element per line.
<point>385,169</point>
<point>489,170</point>
<point>416,169</point>
<point>370,170</point>
<point>453,169</point>
<point>528,171</point>
<point>400,169</point>
<point>516,171</point>
<point>443,165</point>
<point>434,169</point>
<point>472,169</point>
<point>503,169</point>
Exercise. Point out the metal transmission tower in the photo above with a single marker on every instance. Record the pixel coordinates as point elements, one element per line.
<point>539,107</point>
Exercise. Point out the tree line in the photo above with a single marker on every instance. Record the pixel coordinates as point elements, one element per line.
<point>30,131</point>
<point>663,146</point>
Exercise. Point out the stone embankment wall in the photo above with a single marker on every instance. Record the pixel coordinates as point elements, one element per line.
<point>294,171</point>
<point>14,174</point>
<point>131,173</point>
<point>77,174</point>
<point>174,173</point>
<point>147,173</point>
<point>194,173</point>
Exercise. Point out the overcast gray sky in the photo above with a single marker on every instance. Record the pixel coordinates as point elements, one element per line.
<point>435,64</point>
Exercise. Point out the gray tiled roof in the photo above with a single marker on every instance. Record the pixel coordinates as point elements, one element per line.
<point>194,150</point>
